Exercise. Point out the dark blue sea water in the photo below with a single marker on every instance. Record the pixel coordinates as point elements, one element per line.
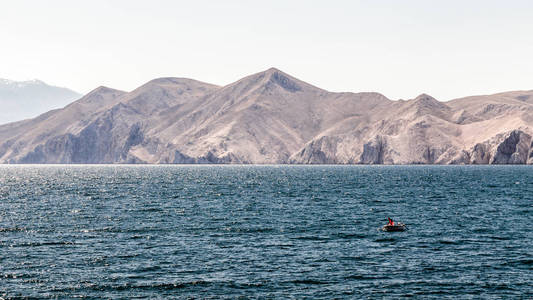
<point>265,231</point>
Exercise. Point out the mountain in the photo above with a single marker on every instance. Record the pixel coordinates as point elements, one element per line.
<point>26,99</point>
<point>272,117</point>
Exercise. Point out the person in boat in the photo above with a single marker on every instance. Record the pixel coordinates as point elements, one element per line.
<point>391,222</point>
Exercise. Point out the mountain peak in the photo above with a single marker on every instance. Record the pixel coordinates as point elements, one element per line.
<point>276,73</point>
<point>100,95</point>
<point>36,81</point>
<point>178,81</point>
<point>272,70</point>
<point>103,90</point>
<point>424,97</point>
<point>283,80</point>
<point>30,98</point>
<point>22,84</point>
<point>273,77</point>
<point>424,104</point>
<point>425,100</point>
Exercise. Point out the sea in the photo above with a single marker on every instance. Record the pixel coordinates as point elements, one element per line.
<point>265,232</point>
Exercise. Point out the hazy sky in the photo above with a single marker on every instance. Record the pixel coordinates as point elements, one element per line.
<point>446,48</point>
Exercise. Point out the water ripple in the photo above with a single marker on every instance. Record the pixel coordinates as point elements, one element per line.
<point>265,232</point>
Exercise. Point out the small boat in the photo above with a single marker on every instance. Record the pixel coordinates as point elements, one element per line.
<point>396,227</point>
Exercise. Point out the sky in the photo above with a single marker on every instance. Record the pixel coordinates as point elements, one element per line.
<point>447,49</point>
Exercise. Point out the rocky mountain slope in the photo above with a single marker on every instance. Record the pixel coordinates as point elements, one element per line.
<point>271,117</point>
<point>26,99</point>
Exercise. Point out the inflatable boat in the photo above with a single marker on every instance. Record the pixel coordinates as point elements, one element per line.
<point>396,227</point>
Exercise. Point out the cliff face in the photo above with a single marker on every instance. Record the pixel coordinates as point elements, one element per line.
<point>271,117</point>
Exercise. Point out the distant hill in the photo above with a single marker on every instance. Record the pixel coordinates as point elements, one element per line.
<point>272,118</point>
<point>27,99</point>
